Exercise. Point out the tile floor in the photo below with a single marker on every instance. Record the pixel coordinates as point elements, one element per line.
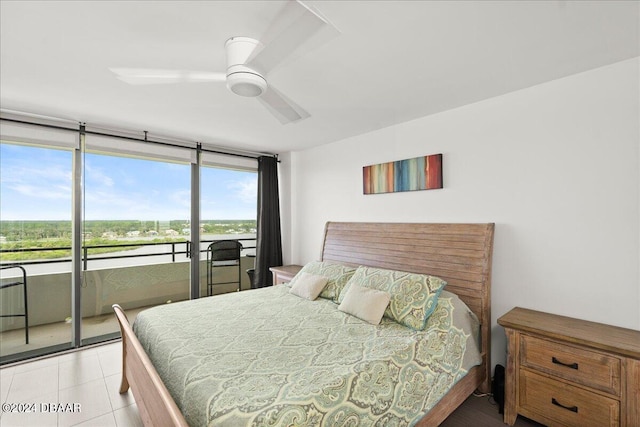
<point>90,378</point>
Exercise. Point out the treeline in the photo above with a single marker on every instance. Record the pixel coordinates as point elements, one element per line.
<point>14,231</point>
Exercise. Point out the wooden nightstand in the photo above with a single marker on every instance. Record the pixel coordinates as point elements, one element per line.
<point>568,372</point>
<point>284,273</point>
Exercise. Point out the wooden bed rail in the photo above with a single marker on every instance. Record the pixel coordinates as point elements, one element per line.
<point>155,404</point>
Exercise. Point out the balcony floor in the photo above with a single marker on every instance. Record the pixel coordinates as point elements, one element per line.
<point>55,334</point>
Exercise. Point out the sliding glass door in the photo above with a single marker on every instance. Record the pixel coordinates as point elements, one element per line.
<point>136,233</point>
<point>89,219</point>
<point>35,257</point>
<point>228,212</point>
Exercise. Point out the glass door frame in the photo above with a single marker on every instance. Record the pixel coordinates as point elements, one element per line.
<point>76,240</point>
<point>194,282</point>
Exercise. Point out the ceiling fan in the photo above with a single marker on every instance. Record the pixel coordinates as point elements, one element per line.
<point>250,60</point>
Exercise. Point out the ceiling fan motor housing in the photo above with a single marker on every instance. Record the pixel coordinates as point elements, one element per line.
<point>243,80</point>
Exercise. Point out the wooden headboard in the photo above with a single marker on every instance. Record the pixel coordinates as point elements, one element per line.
<point>458,253</point>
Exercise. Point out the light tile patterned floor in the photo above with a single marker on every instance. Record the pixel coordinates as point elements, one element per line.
<point>90,378</point>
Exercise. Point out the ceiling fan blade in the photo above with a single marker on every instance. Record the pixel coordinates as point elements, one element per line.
<point>294,27</point>
<point>150,76</point>
<point>284,109</point>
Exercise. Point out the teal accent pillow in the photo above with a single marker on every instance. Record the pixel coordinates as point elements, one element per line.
<point>337,274</point>
<point>413,296</point>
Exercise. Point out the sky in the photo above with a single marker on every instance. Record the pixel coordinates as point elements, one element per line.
<point>35,184</point>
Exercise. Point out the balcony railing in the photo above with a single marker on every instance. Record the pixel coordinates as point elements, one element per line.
<point>106,279</point>
<point>175,250</point>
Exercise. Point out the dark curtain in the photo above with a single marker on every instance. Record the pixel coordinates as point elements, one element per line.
<point>269,241</point>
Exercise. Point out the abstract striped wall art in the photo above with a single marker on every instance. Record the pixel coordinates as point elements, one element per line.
<point>419,173</point>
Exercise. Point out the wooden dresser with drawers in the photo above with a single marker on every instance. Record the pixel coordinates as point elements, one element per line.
<point>569,372</point>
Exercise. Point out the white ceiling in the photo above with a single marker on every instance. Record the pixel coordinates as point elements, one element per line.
<point>392,62</point>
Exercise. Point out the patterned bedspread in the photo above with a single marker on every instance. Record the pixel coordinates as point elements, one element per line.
<point>268,358</point>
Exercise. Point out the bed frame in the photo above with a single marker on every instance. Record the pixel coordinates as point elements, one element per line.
<point>461,254</point>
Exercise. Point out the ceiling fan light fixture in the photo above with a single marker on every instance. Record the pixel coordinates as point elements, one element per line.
<point>243,80</point>
<point>245,83</point>
<point>238,49</point>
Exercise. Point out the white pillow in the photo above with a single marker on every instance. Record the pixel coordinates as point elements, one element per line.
<point>308,285</point>
<point>365,303</point>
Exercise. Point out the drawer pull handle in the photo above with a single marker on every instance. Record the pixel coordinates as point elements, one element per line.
<point>568,365</point>
<point>568,408</point>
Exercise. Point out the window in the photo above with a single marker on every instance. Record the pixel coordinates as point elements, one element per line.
<point>35,232</point>
<point>135,234</point>
<point>133,205</point>
<point>228,205</point>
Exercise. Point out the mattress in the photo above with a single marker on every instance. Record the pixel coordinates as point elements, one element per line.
<point>266,357</point>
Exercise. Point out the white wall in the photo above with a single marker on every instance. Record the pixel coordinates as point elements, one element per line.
<point>555,166</point>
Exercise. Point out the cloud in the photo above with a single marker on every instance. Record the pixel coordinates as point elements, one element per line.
<point>98,176</point>
<point>52,182</point>
<point>246,190</point>
<point>181,198</point>
<point>37,184</point>
<point>42,192</point>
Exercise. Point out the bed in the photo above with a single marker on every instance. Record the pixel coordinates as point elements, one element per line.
<point>208,382</point>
